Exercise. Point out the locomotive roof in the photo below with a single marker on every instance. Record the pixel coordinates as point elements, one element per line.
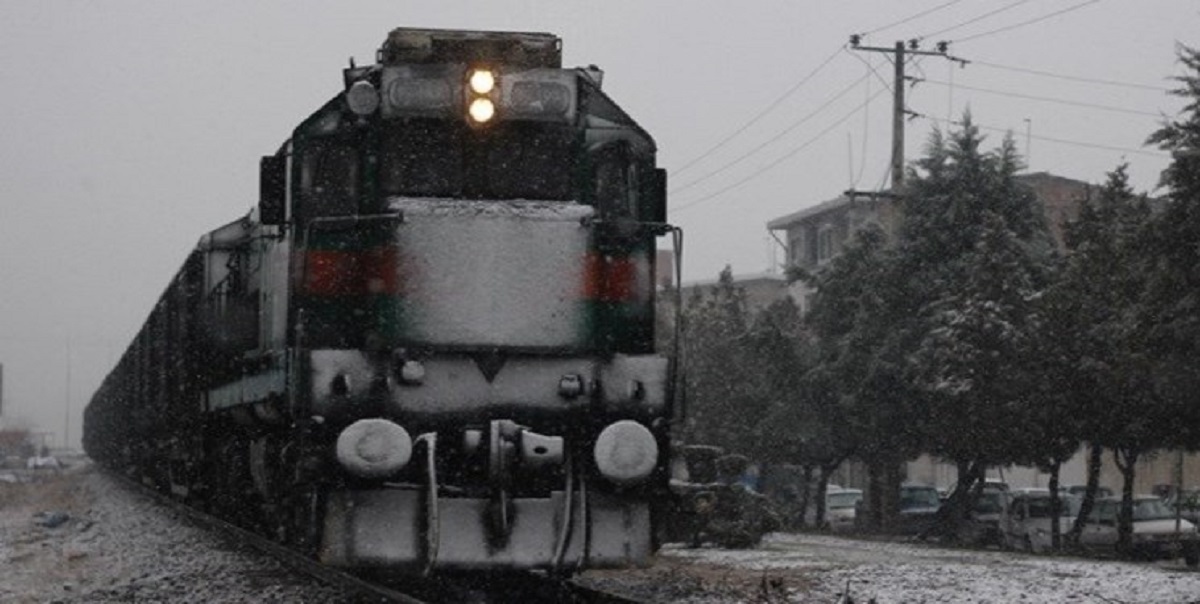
<point>520,49</point>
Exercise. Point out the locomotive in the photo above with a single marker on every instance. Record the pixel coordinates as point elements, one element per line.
<point>431,346</point>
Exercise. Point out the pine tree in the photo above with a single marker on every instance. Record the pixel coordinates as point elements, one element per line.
<point>725,396</point>
<point>857,316</point>
<point>1171,311</point>
<point>975,248</point>
<point>1106,364</point>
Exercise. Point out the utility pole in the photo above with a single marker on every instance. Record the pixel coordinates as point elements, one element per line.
<point>884,477</point>
<point>898,121</point>
<point>899,53</point>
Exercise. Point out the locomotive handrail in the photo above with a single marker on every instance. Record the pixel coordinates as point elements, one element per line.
<point>564,533</point>
<point>433,536</point>
<point>352,220</point>
<point>680,392</point>
<point>655,228</point>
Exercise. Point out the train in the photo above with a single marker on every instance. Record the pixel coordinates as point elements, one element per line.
<point>431,345</point>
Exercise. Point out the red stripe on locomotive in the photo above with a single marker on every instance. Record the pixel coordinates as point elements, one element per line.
<point>353,272</point>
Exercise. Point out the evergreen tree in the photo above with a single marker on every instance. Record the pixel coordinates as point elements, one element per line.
<point>1170,315</point>
<point>716,374</point>
<point>856,315</point>
<point>977,253</point>
<point>1107,379</point>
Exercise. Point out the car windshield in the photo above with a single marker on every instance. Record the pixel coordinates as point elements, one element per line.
<point>918,497</point>
<point>842,500</point>
<point>1039,507</point>
<point>1143,509</point>
<point>1151,509</point>
<point>989,502</point>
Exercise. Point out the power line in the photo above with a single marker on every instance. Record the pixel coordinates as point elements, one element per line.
<point>871,67</point>
<point>778,161</point>
<point>866,134</point>
<point>777,136</point>
<point>1051,139</point>
<point>976,19</point>
<point>1046,99</point>
<point>1072,78</point>
<point>796,87</point>
<point>1029,22</point>
<point>913,17</point>
<point>762,113</point>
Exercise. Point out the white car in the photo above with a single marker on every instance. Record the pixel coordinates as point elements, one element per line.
<point>1028,522</point>
<point>840,508</point>
<point>1155,534</point>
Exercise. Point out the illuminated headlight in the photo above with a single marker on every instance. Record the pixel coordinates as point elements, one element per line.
<point>362,98</point>
<point>482,110</point>
<point>374,448</point>
<point>626,452</point>
<point>482,81</point>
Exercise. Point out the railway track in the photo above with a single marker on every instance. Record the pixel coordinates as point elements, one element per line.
<point>475,589</point>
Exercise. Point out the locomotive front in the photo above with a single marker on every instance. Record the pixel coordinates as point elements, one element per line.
<point>470,327</point>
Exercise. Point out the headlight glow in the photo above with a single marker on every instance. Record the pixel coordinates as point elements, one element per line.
<point>482,110</point>
<point>482,81</point>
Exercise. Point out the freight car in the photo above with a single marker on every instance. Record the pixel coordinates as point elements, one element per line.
<point>431,345</point>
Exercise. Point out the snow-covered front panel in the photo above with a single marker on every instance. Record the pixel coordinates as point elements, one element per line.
<point>493,273</point>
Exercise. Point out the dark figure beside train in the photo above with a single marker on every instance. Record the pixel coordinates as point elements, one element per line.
<point>431,346</point>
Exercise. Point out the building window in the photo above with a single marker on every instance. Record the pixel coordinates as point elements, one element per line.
<point>825,243</point>
<point>796,250</point>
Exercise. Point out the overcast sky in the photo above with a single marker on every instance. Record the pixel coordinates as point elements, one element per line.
<point>131,128</point>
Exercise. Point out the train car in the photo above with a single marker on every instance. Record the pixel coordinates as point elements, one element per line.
<point>431,346</point>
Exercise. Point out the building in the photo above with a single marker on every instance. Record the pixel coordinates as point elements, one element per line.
<point>816,235</point>
<point>760,289</point>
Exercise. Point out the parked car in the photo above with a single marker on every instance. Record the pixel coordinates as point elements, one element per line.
<point>987,515</point>
<point>840,506</point>
<point>919,506</point>
<point>1027,524</point>
<point>984,519</point>
<point>1081,489</point>
<point>1155,535</point>
<point>1188,503</point>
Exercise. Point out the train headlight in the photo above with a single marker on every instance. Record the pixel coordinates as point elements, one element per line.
<point>482,81</point>
<point>481,96</point>
<point>362,98</point>
<point>374,448</point>
<point>482,110</point>
<point>626,452</point>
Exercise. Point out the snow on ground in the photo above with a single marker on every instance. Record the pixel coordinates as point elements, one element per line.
<point>115,546</point>
<point>816,568</point>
